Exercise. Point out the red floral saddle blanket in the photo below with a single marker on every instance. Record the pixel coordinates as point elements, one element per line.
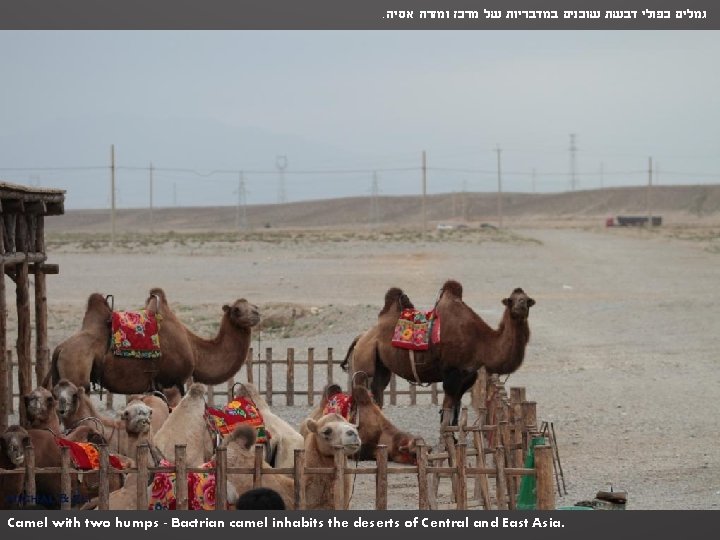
<point>200,489</point>
<point>241,410</point>
<point>135,334</point>
<point>339,403</point>
<point>86,456</point>
<point>415,329</point>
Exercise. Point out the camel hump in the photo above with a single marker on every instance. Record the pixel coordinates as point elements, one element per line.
<point>396,294</point>
<point>452,287</point>
<point>244,434</point>
<point>97,300</point>
<point>197,390</point>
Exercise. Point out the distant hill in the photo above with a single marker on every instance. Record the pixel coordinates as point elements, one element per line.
<point>689,202</point>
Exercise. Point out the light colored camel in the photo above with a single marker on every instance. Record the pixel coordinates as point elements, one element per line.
<point>284,439</point>
<point>373,426</point>
<point>323,435</point>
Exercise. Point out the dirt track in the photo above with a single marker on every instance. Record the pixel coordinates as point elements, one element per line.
<point>623,356</point>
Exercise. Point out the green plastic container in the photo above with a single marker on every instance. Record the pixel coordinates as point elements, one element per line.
<point>527,496</point>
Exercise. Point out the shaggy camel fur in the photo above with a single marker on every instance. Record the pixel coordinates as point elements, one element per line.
<point>187,425</point>
<point>47,454</point>
<point>323,435</point>
<point>373,426</point>
<point>41,410</point>
<point>284,439</point>
<point>466,344</point>
<point>74,358</point>
<point>241,453</point>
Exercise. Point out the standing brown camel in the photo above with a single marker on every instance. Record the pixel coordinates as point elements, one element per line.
<point>466,343</point>
<point>184,354</point>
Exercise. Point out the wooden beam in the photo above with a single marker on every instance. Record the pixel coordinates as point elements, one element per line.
<point>42,353</point>
<point>18,258</point>
<point>47,269</point>
<point>55,208</point>
<point>24,356</point>
<point>4,363</point>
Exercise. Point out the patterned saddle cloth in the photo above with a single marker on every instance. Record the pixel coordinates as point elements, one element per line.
<point>415,329</point>
<point>135,334</point>
<point>86,456</point>
<point>200,490</point>
<point>241,410</point>
<point>339,403</point>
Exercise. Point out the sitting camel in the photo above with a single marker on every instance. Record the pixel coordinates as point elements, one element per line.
<point>47,454</point>
<point>41,410</point>
<point>284,439</point>
<point>373,426</point>
<point>323,436</point>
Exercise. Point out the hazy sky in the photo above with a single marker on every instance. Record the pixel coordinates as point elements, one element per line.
<point>354,101</point>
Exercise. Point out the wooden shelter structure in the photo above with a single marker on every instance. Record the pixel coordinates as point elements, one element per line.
<point>22,253</point>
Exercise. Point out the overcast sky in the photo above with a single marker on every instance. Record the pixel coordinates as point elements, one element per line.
<point>354,101</point>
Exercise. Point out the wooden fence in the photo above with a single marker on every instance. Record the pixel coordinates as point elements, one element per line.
<point>296,377</point>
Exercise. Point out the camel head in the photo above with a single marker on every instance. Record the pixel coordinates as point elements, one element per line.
<point>40,405</point>
<point>396,297</point>
<point>332,430</point>
<point>239,444</point>
<point>98,307</point>
<point>12,445</point>
<point>405,447</point>
<point>242,313</point>
<point>68,398</point>
<point>137,416</point>
<point>453,288</point>
<point>518,304</point>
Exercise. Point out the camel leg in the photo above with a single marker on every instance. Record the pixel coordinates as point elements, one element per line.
<point>455,383</point>
<point>379,382</point>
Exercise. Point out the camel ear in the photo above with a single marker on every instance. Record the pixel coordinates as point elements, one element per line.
<point>506,301</point>
<point>530,302</point>
<point>311,425</point>
<point>226,308</point>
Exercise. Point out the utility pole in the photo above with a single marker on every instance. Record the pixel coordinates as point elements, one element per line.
<point>649,192</point>
<point>112,197</point>
<point>152,220</point>
<point>573,149</point>
<point>499,194</point>
<point>424,192</point>
<point>281,163</point>
<point>374,209</point>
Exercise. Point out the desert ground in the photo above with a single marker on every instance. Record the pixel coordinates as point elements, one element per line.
<point>622,358</point>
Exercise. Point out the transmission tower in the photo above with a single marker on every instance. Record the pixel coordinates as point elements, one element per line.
<point>281,163</point>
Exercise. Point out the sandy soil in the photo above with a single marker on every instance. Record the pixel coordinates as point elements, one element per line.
<point>623,355</point>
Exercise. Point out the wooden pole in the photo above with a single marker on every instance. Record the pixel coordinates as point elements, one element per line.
<point>143,451</point>
<point>24,336</point>
<point>413,394</point>
<point>338,479</point>
<point>65,485</point>
<point>221,500</point>
<point>329,365</point>
<point>529,414</point>
<point>423,492</point>
<point>257,472</point>
<point>290,384</point>
<point>42,353</point>
<point>461,492</point>
<point>381,479</point>
<point>393,389</point>
<point>424,191</point>
<point>181,477</point>
<point>249,365</point>
<point>311,377</point>
<point>211,395</point>
<point>268,375</point>
<point>544,471</point>
<point>482,489</point>
<point>10,381</point>
<point>104,488</point>
<point>6,394</point>
<point>30,490</point>
<point>298,476</point>
<point>434,393</point>
<point>500,480</point>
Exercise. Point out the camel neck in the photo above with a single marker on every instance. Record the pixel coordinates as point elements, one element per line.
<point>219,358</point>
<point>511,340</point>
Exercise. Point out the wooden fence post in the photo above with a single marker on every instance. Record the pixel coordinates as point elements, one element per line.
<point>290,384</point>
<point>181,477</point>
<point>529,415</point>
<point>393,390</point>
<point>104,480</point>
<point>299,487</point>
<point>30,491</point>
<point>6,393</point>
<point>482,489</point>
<point>10,382</point>
<point>66,494</point>
<point>24,354</point>
<point>211,395</point>
<point>381,479</point>
<point>544,479</point>
<point>413,394</point>
<point>311,376</point>
<point>143,451</point>
<point>221,499</point>
<point>257,473</point>
<point>329,365</point>
<point>268,375</point>
<point>461,493</point>
<point>339,502</point>
<point>249,365</point>
<point>434,393</point>
<point>500,480</point>
<point>422,474</point>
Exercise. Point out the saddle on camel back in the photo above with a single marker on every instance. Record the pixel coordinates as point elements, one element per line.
<point>416,329</point>
<point>135,334</point>
<point>241,410</point>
